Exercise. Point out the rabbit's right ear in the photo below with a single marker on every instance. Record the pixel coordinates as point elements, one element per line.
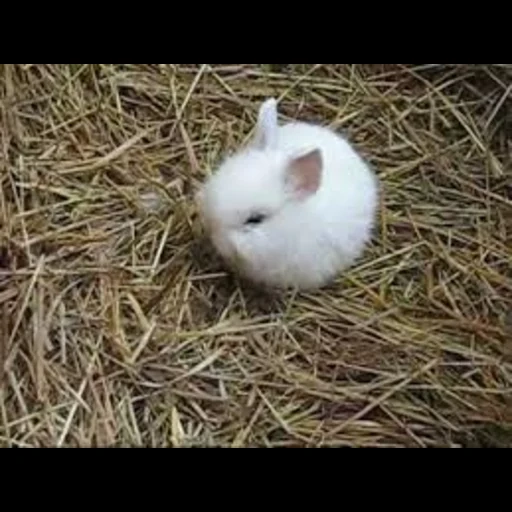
<point>304,173</point>
<point>265,136</point>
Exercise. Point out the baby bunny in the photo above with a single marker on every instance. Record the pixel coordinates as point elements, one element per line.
<point>294,208</point>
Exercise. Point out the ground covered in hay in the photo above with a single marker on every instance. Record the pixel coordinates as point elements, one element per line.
<point>119,326</point>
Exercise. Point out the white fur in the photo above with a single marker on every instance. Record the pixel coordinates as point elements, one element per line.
<point>303,243</point>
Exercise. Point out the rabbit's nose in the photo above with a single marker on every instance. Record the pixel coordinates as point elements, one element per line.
<point>225,246</point>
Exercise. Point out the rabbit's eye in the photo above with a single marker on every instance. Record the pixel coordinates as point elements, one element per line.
<point>255,218</point>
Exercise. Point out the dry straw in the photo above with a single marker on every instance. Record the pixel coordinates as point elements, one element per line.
<point>119,327</point>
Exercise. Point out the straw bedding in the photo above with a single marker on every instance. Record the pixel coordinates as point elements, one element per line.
<point>120,327</point>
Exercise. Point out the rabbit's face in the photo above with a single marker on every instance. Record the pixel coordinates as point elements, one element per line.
<point>252,208</point>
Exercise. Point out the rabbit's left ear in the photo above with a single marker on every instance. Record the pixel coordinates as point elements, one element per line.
<point>265,136</point>
<point>304,174</point>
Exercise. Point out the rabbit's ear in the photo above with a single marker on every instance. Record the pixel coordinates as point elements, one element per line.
<point>304,174</point>
<point>265,136</point>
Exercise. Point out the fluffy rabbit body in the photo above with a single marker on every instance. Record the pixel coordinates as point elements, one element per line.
<point>294,208</point>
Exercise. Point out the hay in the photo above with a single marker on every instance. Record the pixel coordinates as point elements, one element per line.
<point>119,327</point>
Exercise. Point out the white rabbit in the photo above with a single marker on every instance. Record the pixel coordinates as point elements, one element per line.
<point>294,208</point>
